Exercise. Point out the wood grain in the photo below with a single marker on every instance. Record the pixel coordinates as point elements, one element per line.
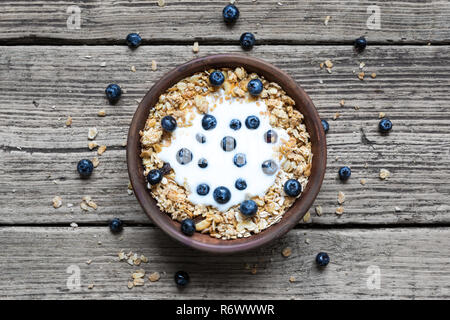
<point>414,263</point>
<point>39,154</point>
<point>298,21</point>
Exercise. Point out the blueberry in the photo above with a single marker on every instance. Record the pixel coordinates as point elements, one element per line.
<point>269,167</point>
<point>240,160</point>
<point>85,168</point>
<point>248,208</point>
<point>252,122</point>
<point>188,227</point>
<point>222,195</point>
<point>169,123</point>
<point>230,13</point>
<point>235,124</point>
<point>202,163</point>
<point>133,40</point>
<point>184,156</point>
<point>154,176</point>
<point>360,44</point>
<point>322,259</point>
<point>181,278</point>
<point>255,87</point>
<point>200,137</point>
<point>116,225</point>
<point>325,125</point>
<point>113,93</point>
<point>247,41</point>
<point>216,78</point>
<point>385,125</point>
<point>344,173</point>
<point>203,189</point>
<point>209,122</point>
<point>240,184</point>
<point>228,144</point>
<point>292,187</point>
<point>270,136</point>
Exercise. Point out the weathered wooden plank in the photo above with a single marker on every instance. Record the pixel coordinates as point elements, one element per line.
<point>411,87</point>
<point>413,263</point>
<point>294,21</point>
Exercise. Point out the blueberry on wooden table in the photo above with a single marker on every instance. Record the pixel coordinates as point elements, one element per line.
<point>248,208</point>
<point>255,87</point>
<point>181,278</point>
<point>325,126</point>
<point>247,40</point>
<point>322,259</point>
<point>385,125</point>
<point>360,44</point>
<point>154,176</point>
<point>168,123</point>
<point>216,78</point>
<point>133,40</point>
<point>344,173</point>
<point>230,13</point>
<point>292,187</point>
<point>188,227</point>
<point>116,225</point>
<point>85,168</point>
<point>113,93</point>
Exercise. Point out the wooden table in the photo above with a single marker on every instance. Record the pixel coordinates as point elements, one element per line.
<point>397,229</point>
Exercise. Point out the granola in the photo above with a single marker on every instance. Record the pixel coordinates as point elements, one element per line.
<point>188,96</point>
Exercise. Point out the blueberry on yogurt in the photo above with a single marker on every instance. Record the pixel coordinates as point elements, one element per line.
<point>202,163</point>
<point>270,136</point>
<point>228,144</point>
<point>169,123</point>
<point>252,122</point>
<point>269,167</point>
<point>239,160</point>
<point>184,156</point>
<point>203,189</point>
<point>235,124</point>
<point>222,195</point>
<point>209,122</point>
<point>200,137</point>
<point>240,184</point>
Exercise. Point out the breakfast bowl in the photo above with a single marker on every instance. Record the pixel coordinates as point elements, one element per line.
<point>310,120</point>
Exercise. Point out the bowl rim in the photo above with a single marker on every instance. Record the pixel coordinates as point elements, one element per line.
<point>296,211</point>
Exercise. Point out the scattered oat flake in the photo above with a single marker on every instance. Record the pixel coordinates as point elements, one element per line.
<point>341,197</point>
<point>161,3</point>
<point>92,133</point>
<point>307,217</point>
<point>361,75</point>
<point>327,18</point>
<point>95,162</point>
<point>253,270</point>
<point>138,274</point>
<point>57,202</point>
<point>74,225</point>
<point>92,145</point>
<point>321,65</point>
<point>342,102</point>
<point>195,48</point>
<point>101,150</point>
<point>328,64</point>
<point>138,282</point>
<point>133,69</point>
<point>144,259</point>
<point>319,210</point>
<point>154,66</point>
<point>373,75</point>
<point>69,121</point>
<point>356,107</point>
<point>363,181</point>
<point>92,204</point>
<point>361,65</point>
<point>103,64</point>
<point>88,262</point>
<point>340,210</point>
<point>291,279</point>
<point>307,241</point>
<point>130,285</point>
<point>398,209</point>
<point>286,252</point>
<point>336,115</point>
<point>101,113</point>
<point>384,174</point>
<point>155,276</point>
<point>84,206</point>
<point>91,286</point>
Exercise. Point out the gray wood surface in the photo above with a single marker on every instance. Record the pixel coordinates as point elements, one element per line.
<point>39,153</point>
<point>294,21</point>
<point>49,72</point>
<point>413,263</point>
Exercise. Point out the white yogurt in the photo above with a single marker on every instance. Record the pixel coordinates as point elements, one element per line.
<point>221,170</point>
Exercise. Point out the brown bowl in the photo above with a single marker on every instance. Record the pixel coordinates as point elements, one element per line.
<point>313,124</point>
